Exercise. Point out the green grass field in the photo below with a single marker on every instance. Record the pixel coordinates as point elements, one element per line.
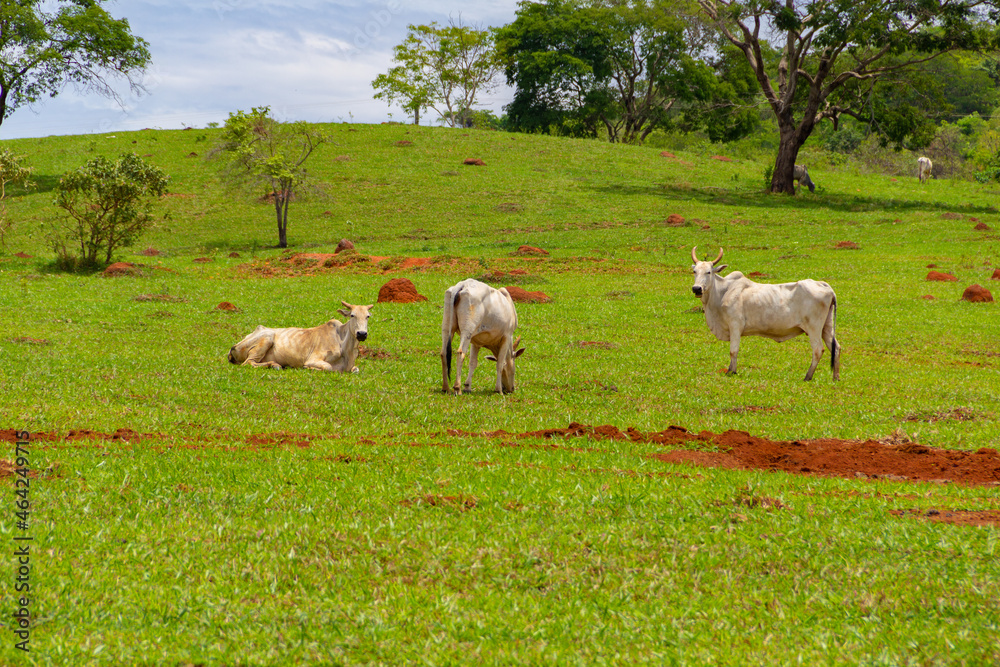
<point>284,517</point>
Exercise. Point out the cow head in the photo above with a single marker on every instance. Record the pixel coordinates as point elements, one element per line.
<point>357,319</point>
<point>507,372</point>
<point>703,273</point>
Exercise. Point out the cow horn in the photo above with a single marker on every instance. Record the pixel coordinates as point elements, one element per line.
<point>718,258</point>
<point>694,254</point>
<point>517,344</point>
<point>345,304</point>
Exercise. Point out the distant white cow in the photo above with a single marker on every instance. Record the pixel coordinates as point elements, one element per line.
<point>483,317</point>
<point>801,174</point>
<point>736,306</point>
<point>329,347</point>
<point>924,167</point>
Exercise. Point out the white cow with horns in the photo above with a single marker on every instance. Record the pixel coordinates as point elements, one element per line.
<point>736,306</point>
<point>332,346</point>
<point>483,317</point>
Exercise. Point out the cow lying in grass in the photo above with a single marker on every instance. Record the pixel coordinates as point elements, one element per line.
<point>736,306</point>
<point>483,317</point>
<point>329,347</point>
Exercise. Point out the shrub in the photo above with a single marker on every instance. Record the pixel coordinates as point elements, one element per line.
<point>108,206</point>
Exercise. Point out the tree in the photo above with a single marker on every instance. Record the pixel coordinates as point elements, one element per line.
<point>109,205</point>
<point>440,68</point>
<point>47,44</point>
<point>259,150</point>
<point>582,65</point>
<point>12,171</point>
<point>825,44</point>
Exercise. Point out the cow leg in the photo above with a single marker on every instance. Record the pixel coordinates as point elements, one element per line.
<point>473,364</point>
<point>317,365</point>
<point>817,349</point>
<point>463,350</point>
<point>734,350</point>
<point>258,351</point>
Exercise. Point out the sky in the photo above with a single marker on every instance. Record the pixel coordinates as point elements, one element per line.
<point>306,60</point>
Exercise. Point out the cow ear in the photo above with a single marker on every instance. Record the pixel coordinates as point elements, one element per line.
<point>344,312</point>
<point>718,269</point>
<point>491,358</point>
<point>519,352</point>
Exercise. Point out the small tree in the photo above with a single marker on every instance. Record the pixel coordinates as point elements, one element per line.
<point>109,205</point>
<point>11,171</point>
<point>259,150</point>
<point>440,68</point>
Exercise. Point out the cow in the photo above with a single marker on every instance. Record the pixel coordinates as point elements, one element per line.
<point>924,167</point>
<point>483,317</point>
<point>736,306</point>
<point>801,174</point>
<point>329,347</point>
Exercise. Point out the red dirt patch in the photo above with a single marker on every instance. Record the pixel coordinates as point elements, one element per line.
<point>668,154</point>
<point>234,255</point>
<point>530,251</point>
<point>675,220</point>
<point>521,295</point>
<point>474,162</point>
<point>996,274</point>
<point>722,158</point>
<point>982,227</point>
<point>28,340</point>
<point>121,269</point>
<point>227,306</point>
<point>977,294</point>
<point>149,252</point>
<point>399,290</point>
<point>954,517</point>
<point>847,245</point>
<point>941,277</point>
<point>23,255</point>
<point>202,260</point>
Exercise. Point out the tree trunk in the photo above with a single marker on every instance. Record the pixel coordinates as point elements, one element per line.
<point>782,180</point>
<point>282,219</point>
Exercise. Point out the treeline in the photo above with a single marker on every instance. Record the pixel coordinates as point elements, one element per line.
<point>838,75</point>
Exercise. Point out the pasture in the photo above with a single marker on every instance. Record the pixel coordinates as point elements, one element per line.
<point>188,511</point>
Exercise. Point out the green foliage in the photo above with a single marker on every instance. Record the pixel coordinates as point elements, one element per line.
<point>108,204</point>
<point>587,68</point>
<point>879,41</point>
<point>257,150</point>
<point>441,68</point>
<point>12,172</point>
<point>46,45</point>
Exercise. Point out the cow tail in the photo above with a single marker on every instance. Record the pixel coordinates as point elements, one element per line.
<point>834,346</point>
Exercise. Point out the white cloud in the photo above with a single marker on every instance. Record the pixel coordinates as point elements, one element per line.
<point>307,60</point>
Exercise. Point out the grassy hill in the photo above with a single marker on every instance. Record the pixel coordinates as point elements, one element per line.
<point>190,511</point>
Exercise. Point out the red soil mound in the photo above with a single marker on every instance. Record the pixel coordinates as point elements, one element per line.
<point>982,227</point>
<point>530,251</point>
<point>225,305</point>
<point>344,245</point>
<point>149,252</point>
<point>941,277</point>
<point>399,290</point>
<point>474,162</point>
<point>23,255</point>
<point>120,269</point>
<point>675,220</point>
<point>847,245</point>
<point>521,295</point>
<point>996,274</point>
<point>667,154</point>
<point>977,294</point>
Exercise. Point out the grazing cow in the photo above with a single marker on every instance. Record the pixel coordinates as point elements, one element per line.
<point>329,347</point>
<point>736,306</point>
<point>801,174</point>
<point>483,317</point>
<point>924,166</point>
